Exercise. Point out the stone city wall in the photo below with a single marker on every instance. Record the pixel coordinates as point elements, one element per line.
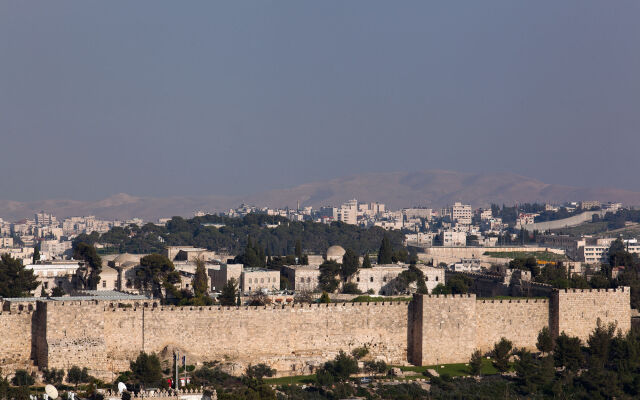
<point>294,339</point>
<point>517,320</point>
<point>447,329</point>
<point>577,311</point>
<point>15,340</point>
<point>291,339</point>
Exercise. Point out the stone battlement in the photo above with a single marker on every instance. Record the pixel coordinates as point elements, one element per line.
<point>622,289</point>
<point>257,308</point>
<point>294,339</point>
<point>544,301</point>
<point>448,296</point>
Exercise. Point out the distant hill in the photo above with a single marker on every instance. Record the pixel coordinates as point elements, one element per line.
<point>433,188</point>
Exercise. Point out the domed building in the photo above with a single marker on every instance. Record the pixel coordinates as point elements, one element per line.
<point>335,253</point>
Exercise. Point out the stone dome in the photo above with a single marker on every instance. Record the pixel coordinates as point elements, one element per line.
<point>335,253</point>
<point>126,257</point>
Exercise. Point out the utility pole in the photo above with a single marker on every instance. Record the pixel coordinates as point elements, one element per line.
<point>177,358</point>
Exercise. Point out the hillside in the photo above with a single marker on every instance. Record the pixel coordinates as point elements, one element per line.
<point>433,188</point>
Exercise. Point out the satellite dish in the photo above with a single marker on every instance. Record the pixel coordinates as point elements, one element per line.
<point>121,387</point>
<point>51,391</point>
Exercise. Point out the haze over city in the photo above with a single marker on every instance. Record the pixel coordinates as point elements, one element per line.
<point>319,200</point>
<point>165,99</point>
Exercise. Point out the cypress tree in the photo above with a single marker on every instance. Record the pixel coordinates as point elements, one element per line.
<point>366,262</point>
<point>385,255</point>
<point>36,253</point>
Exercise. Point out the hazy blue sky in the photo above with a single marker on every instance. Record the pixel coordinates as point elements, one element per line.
<point>173,98</point>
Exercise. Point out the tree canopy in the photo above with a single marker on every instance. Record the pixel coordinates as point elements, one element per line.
<point>146,369</point>
<point>234,236</point>
<point>89,272</point>
<point>15,280</point>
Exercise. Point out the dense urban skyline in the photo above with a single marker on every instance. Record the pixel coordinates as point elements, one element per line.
<point>237,98</point>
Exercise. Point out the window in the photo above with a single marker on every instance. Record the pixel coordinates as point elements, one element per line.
<point>262,280</point>
<point>436,279</point>
<point>384,279</point>
<point>45,285</point>
<point>249,280</point>
<point>426,279</point>
<point>308,280</point>
<point>371,279</point>
<point>358,279</point>
<point>104,284</point>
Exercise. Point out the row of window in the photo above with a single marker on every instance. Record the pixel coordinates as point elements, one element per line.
<point>384,279</point>
<point>255,280</point>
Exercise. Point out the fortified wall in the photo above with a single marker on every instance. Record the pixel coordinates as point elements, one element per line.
<point>292,339</point>
<point>295,339</point>
<point>448,329</point>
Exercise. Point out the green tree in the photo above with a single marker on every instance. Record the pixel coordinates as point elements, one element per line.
<point>259,371</point>
<point>337,370</point>
<point>350,264</point>
<point>527,371</point>
<point>155,272</point>
<point>76,375</point>
<point>366,261</point>
<point>15,280</point>
<point>568,353</point>
<point>22,378</point>
<point>200,281</point>
<point>618,254</point>
<point>376,367</point>
<point>475,363</point>
<point>351,288</point>
<point>228,293</point>
<point>500,353</point>
<point>57,292</point>
<point>324,298</point>
<point>53,376</point>
<point>545,342</point>
<point>146,369</point>
<point>360,352</point>
<point>327,280</point>
<point>441,289</point>
<point>299,250</point>
<point>600,342</point>
<point>385,254</point>
<point>89,271</point>
<point>36,253</point>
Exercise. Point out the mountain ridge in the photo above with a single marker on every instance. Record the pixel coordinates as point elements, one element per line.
<point>431,188</point>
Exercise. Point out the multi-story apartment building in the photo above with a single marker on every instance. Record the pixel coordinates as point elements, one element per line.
<point>454,239</point>
<point>461,213</point>
<point>588,205</point>
<point>525,219</point>
<point>485,214</point>
<point>45,219</point>
<point>348,212</point>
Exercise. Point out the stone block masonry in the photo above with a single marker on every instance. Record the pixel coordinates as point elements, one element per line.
<point>15,340</point>
<point>289,338</point>
<point>295,339</point>
<point>447,329</point>
<point>577,311</point>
